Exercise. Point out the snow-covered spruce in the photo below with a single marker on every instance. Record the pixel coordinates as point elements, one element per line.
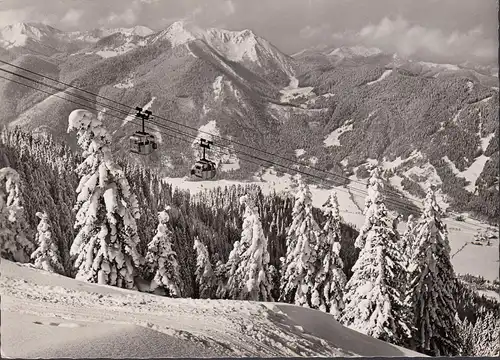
<point>46,256</point>
<point>205,276</point>
<point>330,280</point>
<point>14,232</point>
<point>374,295</point>
<point>407,241</point>
<point>249,274</point>
<point>298,268</point>
<point>105,248</point>
<point>161,260</point>
<point>486,335</point>
<point>432,285</point>
<point>373,198</point>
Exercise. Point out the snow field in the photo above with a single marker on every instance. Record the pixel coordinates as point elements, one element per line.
<point>208,327</point>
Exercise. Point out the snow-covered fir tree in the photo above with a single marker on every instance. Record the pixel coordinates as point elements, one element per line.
<point>375,186</point>
<point>14,233</point>
<point>162,261</point>
<point>486,335</point>
<point>374,295</point>
<point>221,278</point>
<point>330,280</point>
<point>407,241</point>
<point>432,286</point>
<point>298,268</point>
<point>249,276</point>
<point>466,330</point>
<point>205,276</point>
<point>46,256</point>
<point>105,247</point>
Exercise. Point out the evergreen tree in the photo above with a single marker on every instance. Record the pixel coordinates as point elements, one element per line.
<point>205,276</point>
<point>375,186</point>
<point>162,260</point>
<point>432,285</point>
<point>486,335</point>
<point>408,240</point>
<point>330,280</point>
<point>221,279</point>
<point>374,295</point>
<point>466,330</point>
<point>46,256</point>
<point>249,277</point>
<point>106,211</point>
<point>298,268</point>
<point>14,232</point>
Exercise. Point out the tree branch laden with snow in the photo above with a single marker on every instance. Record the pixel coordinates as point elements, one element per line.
<point>249,274</point>
<point>162,261</point>
<point>374,295</point>
<point>330,280</point>
<point>105,248</point>
<point>299,266</point>
<point>205,276</point>
<point>373,199</point>
<point>14,232</point>
<point>432,285</point>
<point>46,256</point>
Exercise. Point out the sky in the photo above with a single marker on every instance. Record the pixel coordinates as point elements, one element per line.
<point>445,30</point>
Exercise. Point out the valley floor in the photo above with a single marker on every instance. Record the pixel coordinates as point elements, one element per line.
<point>47,315</point>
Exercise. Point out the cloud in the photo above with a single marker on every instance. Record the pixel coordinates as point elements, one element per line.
<point>410,39</point>
<point>313,31</point>
<point>72,17</point>
<point>128,17</point>
<point>229,8</point>
<point>8,17</point>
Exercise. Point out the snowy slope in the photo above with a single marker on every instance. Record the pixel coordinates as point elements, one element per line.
<point>237,46</point>
<point>76,318</point>
<point>17,34</point>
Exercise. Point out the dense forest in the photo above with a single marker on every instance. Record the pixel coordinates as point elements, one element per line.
<point>210,234</point>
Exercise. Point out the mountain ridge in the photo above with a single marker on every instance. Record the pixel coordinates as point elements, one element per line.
<point>369,107</point>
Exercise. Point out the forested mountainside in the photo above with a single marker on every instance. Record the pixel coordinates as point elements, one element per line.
<point>47,170</point>
<point>207,229</point>
<point>336,110</point>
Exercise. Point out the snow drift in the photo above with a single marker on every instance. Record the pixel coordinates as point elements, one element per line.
<point>76,319</point>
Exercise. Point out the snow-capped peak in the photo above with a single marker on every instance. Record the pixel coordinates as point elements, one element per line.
<point>17,34</point>
<point>233,45</point>
<point>142,31</point>
<point>177,34</point>
<point>355,51</point>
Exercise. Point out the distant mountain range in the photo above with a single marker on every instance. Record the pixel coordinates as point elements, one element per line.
<point>338,109</point>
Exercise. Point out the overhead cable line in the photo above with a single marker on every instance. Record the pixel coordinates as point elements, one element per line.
<point>394,202</point>
<point>204,132</point>
<point>388,200</point>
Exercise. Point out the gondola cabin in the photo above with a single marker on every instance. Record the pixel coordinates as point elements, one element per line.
<point>204,169</point>
<point>142,143</point>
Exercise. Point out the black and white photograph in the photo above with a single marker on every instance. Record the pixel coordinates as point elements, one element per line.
<point>249,179</point>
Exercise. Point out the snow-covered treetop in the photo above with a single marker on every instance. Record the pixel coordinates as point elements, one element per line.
<point>12,180</point>
<point>9,174</point>
<point>163,216</point>
<point>92,136</point>
<point>375,186</point>
<point>42,215</point>
<point>303,197</point>
<point>331,206</point>
<point>431,207</point>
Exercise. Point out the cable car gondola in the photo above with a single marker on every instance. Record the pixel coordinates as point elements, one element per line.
<point>204,168</point>
<point>142,142</point>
